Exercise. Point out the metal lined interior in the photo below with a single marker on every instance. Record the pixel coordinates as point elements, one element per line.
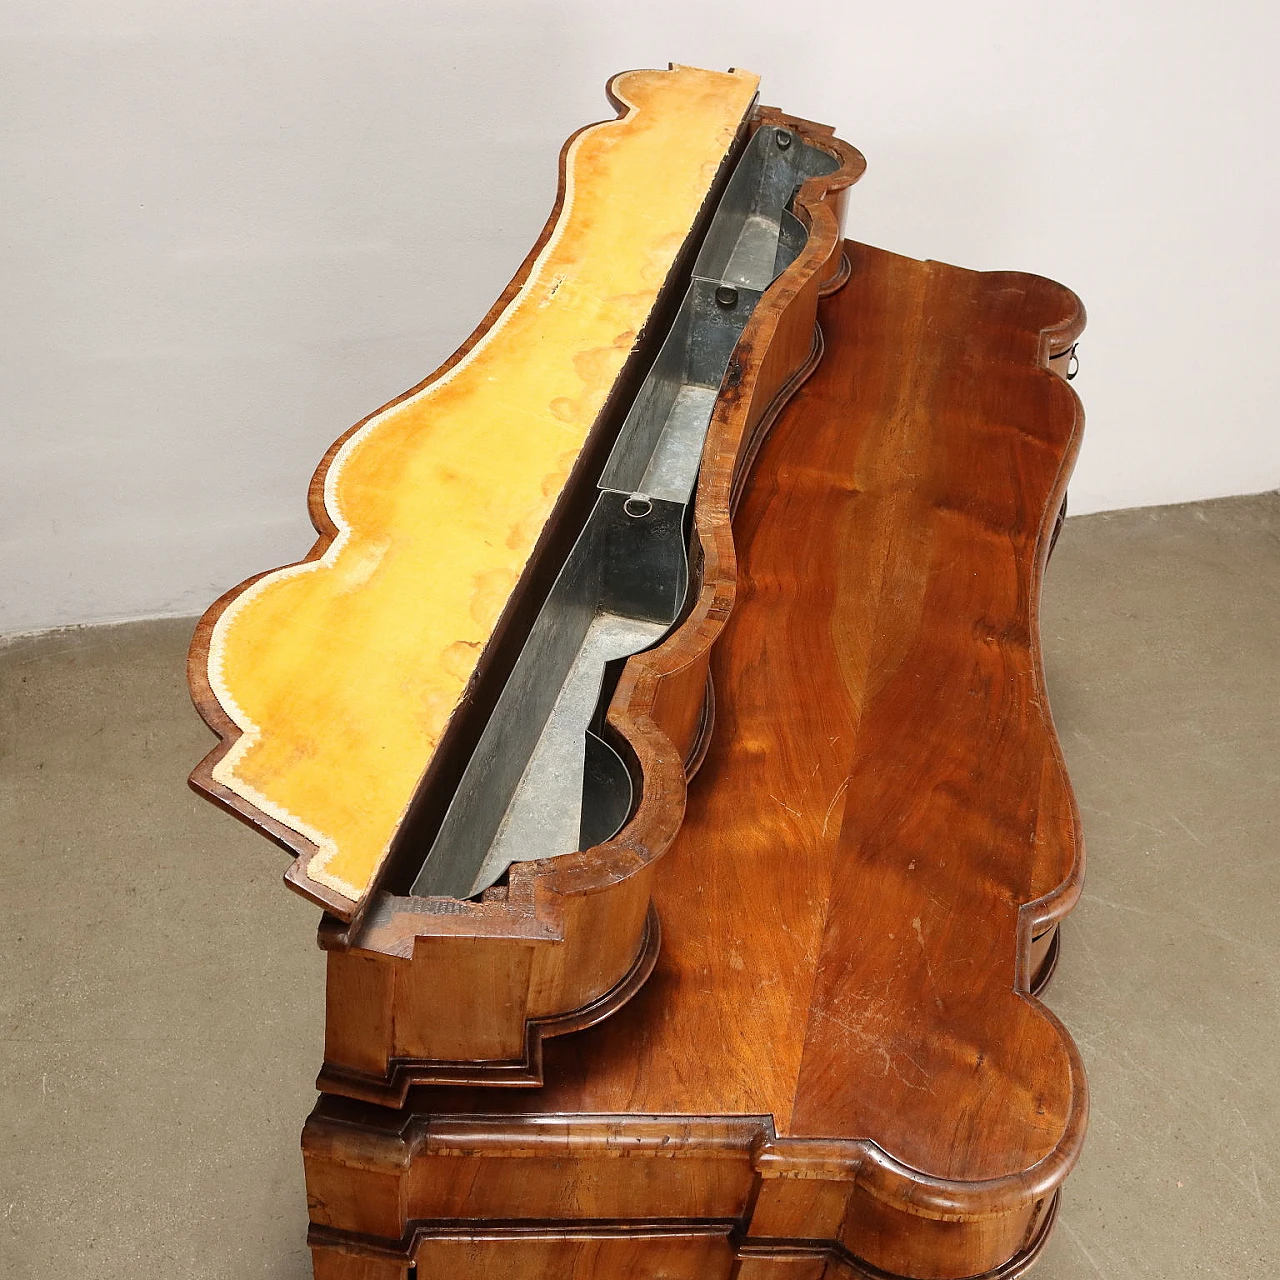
<point>541,783</point>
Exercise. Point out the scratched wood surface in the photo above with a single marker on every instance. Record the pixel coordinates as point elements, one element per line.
<point>332,681</point>
<point>881,825</point>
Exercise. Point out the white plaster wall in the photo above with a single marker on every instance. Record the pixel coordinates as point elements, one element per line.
<point>231,229</point>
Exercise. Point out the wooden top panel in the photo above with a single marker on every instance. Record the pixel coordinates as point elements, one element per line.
<point>334,679</point>
<point>845,928</point>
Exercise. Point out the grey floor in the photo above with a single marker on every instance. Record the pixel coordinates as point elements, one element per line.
<point>160,1034</point>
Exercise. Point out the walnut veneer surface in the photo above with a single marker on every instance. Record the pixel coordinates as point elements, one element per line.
<point>836,1062</point>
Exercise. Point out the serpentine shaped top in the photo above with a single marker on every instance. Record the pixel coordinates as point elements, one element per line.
<point>332,681</point>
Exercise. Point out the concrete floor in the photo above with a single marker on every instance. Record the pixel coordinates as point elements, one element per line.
<point>160,1038</point>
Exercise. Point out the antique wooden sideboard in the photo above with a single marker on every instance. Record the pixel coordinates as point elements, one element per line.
<point>660,721</point>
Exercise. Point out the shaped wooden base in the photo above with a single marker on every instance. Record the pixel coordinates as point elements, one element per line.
<point>622,1251</point>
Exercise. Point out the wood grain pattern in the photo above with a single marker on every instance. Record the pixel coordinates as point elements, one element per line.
<point>419,991</point>
<point>838,1051</point>
<point>332,681</point>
